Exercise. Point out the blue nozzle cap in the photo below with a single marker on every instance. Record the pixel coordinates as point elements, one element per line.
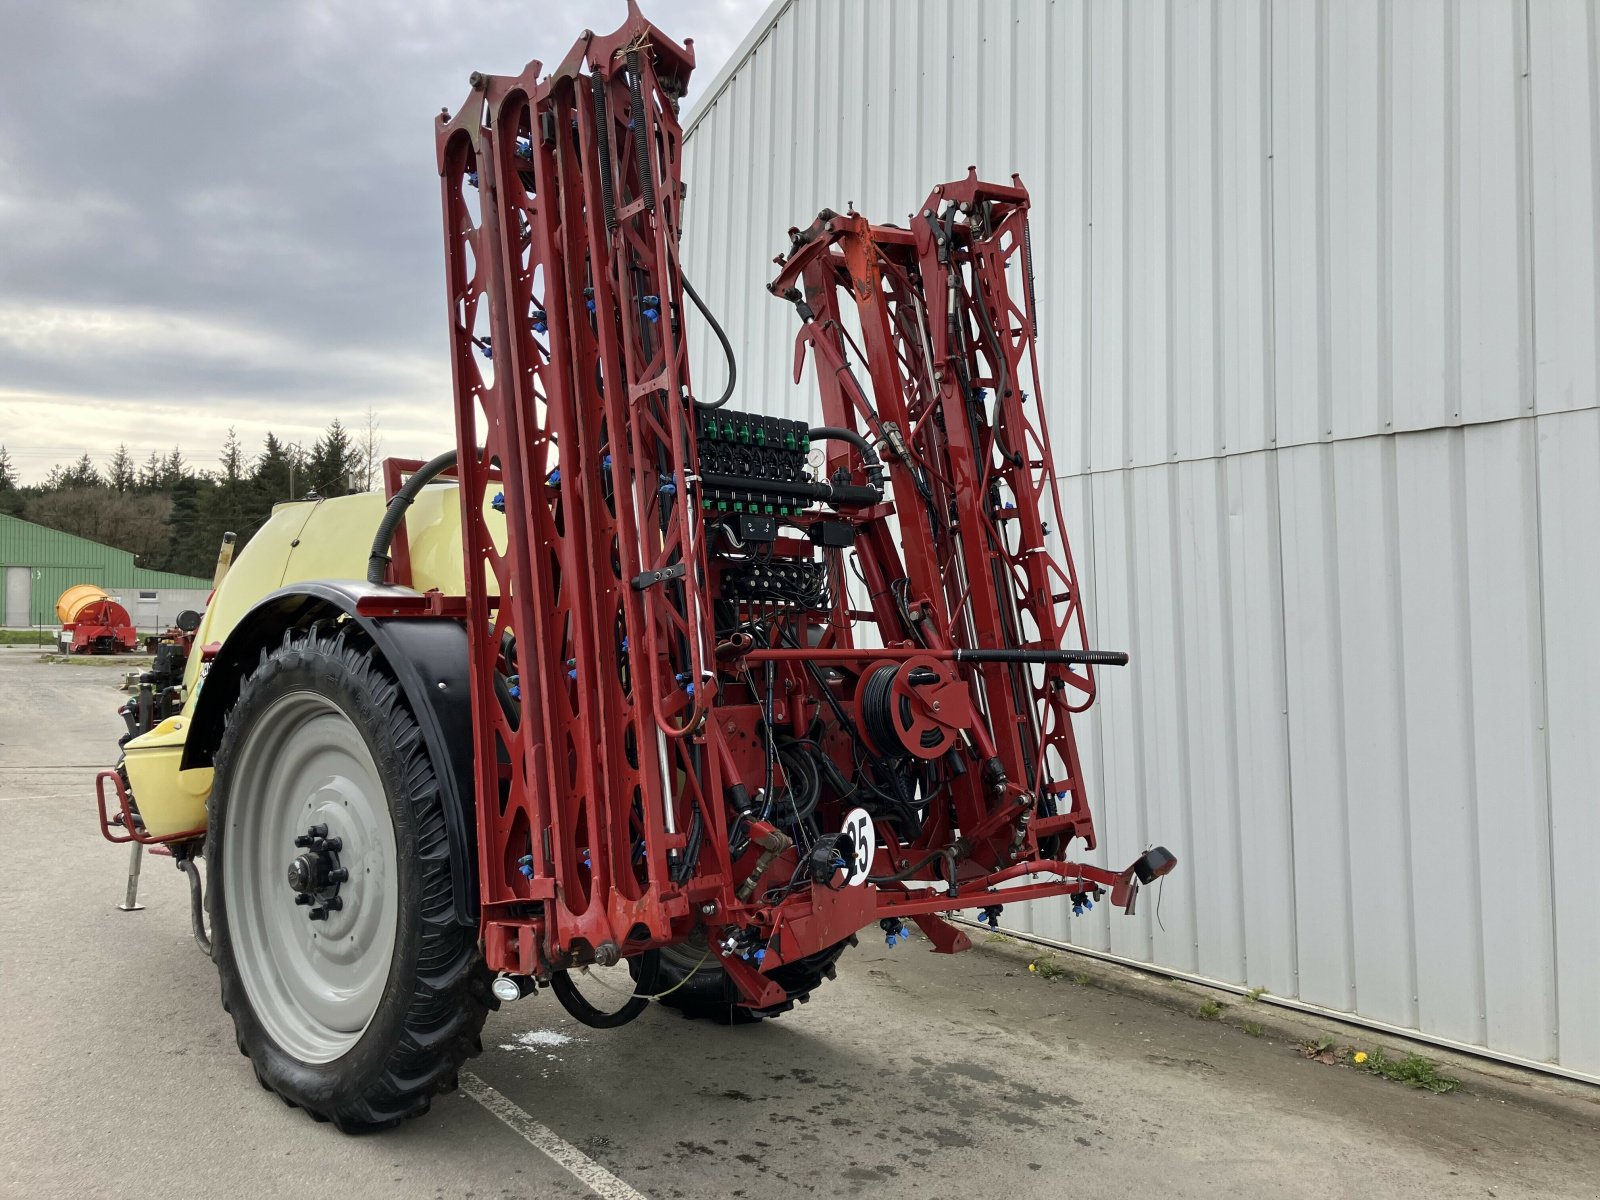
<point>499,502</point>
<point>554,478</point>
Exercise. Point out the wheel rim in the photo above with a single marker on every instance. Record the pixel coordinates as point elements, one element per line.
<point>314,984</point>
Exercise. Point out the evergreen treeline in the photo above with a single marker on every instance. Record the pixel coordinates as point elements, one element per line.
<point>173,515</point>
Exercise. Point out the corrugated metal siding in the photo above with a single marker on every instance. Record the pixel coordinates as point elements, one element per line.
<point>60,560</point>
<point>1321,318</point>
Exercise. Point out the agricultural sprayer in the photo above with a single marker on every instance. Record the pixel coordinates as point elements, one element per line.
<point>635,684</point>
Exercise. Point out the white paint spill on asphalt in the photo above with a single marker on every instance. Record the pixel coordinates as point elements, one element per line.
<point>540,1039</point>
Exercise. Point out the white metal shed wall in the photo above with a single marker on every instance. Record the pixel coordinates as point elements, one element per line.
<point>1321,316</point>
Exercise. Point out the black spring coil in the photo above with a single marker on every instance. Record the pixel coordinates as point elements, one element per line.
<point>608,198</point>
<point>1027,262</point>
<point>641,128</point>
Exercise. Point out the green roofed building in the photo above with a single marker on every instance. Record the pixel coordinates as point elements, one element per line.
<point>37,564</point>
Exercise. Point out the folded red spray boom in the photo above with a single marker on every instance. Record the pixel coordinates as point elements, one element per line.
<point>739,678</point>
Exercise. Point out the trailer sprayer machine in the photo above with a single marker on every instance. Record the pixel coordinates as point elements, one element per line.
<point>635,683</point>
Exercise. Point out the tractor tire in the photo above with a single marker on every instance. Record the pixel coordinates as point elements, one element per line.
<point>692,982</point>
<point>354,991</point>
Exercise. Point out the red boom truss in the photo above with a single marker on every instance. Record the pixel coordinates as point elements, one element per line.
<point>636,718</point>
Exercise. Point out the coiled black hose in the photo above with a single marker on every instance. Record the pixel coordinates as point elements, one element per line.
<point>378,559</point>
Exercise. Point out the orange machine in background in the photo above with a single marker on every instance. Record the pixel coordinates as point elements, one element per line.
<point>93,623</point>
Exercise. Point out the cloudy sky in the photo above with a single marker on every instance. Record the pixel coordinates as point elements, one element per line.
<point>225,212</point>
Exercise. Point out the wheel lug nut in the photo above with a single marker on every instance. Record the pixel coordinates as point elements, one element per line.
<point>334,844</point>
<point>318,914</point>
<point>302,898</point>
<point>338,875</point>
<point>301,842</point>
<point>333,903</point>
<point>317,831</point>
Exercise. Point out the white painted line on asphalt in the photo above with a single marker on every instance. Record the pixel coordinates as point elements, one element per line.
<point>560,1151</point>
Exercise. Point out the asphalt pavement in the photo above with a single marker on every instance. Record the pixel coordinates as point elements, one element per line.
<point>913,1074</point>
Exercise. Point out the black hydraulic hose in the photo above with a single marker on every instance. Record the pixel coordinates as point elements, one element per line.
<point>378,559</point>
<point>197,906</point>
<point>836,433</point>
<point>509,704</point>
<point>906,872</point>
<point>578,1006</point>
<point>727,346</point>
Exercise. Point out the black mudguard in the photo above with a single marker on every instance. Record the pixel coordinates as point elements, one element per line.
<point>428,657</point>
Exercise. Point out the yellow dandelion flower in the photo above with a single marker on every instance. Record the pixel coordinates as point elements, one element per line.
<point>1361,1056</point>
<point>1034,967</point>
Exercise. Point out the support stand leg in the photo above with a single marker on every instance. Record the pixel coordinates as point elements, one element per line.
<point>946,938</point>
<point>135,860</point>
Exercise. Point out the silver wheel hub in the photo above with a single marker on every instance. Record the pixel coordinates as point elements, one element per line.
<point>307,808</point>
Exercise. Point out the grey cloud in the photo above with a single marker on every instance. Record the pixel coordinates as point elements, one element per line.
<point>261,175</point>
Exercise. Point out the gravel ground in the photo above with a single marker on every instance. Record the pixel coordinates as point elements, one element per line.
<point>912,1075</point>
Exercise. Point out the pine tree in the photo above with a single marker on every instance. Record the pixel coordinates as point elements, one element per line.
<point>273,474</point>
<point>81,474</point>
<point>188,550</point>
<point>120,474</point>
<point>333,462</point>
<point>12,499</point>
<point>174,470</point>
<point>152,473</point>
<point>232,458</point>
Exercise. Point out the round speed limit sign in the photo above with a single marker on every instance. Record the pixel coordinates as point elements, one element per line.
<point>858,837</point>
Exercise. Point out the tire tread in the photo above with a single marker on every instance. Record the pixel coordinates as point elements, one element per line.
<point>449,997</point>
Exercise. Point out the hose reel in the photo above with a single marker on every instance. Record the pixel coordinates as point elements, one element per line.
<point>918,707</point>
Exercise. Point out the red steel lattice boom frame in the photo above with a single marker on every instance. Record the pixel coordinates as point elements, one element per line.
<point>620,728</point>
